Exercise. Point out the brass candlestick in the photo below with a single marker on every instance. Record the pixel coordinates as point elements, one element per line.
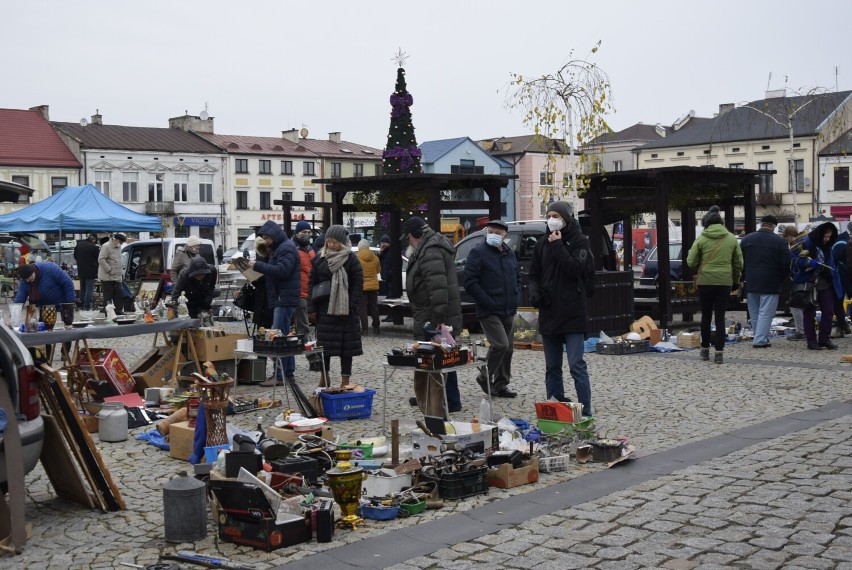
<point>345,480</point>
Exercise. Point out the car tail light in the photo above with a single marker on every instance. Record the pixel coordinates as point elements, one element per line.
<point>28,395</point>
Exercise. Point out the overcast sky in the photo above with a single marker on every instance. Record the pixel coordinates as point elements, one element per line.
<point>265,66</point>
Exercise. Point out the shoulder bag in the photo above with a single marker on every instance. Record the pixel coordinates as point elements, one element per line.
<point>321,291</point>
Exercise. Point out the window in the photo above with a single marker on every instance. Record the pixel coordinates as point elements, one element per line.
<point>102,181</point>
<point>377,170</point>
<point>242,200</point>
<point>358,170</point>
<point>22,180</point>
<point>545,178</point>
<point>181,186</point>
<point>680,153</point>
<point>617,166</point>
<point>764,180</point>
<point>799,174</point>
<point>288,196</point>
<point>286,167</point>
<point>205,188</point>
<point>466,166</point>
<point>735,165</point>
<point>735,149</point>
<point>155,188</point>
<point>265,167</point>
<point>841,178</point>
<point>309,197</point>
<point>308,169</point>
<point>655,155</point>
<point>765,147</point>
<point>335,169</point>
<point>707,151</point>
<point>241,166</point>
<point>57,183</point>
<point>130,187</point>
<point>265,201</point>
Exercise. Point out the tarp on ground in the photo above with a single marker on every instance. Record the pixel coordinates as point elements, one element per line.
<point>76,209</point>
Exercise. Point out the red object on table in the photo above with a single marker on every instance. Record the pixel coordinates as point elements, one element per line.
<point>110,368</point>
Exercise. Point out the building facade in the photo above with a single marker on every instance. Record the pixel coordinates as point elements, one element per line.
<point>835,161</point>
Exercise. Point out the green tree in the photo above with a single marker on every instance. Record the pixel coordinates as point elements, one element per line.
<point>401,155</point>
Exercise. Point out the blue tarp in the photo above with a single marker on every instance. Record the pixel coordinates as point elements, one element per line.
<point>76,209</point>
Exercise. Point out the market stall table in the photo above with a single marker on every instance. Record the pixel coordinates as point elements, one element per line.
<point>240,355</point>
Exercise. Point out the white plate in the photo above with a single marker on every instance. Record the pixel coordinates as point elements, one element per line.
<point>307,424</point>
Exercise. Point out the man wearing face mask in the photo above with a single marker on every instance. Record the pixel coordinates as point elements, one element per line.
<point>492,278</point>
<point>302,237</point>
<point>560,263</point>
<point>433,292</point>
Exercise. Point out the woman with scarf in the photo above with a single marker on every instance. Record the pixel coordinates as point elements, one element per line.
<point>337,315</point>
<point>44,283</point>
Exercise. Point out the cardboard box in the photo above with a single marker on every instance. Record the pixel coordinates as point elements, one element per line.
<point>554,411</point>
<point>154,369</point>
<point>289,435</point>
<point>91,423</point>
<point>181,438</point>
<point>110,368</point>
<point>505,476</point>
<point>217,348</point>
<point>426,446</point>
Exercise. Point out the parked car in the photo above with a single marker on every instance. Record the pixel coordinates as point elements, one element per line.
<point>651,265</point>
<point>145,257</point>
<point>18,373</point>
<point>523,235</point>
<point>38,247</point>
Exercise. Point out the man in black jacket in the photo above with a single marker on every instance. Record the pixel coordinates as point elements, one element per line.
<point>198,282</point>
<point>492,278</point>
<point>766,266</point>
<point>86,255</point>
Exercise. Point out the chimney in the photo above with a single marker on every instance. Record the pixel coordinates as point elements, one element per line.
<point>188,123</point>
<point>725,107</point>
<point>506,146</point>
<point>334,137</point>
<point>776,93</point>
<point>291,135</point>
<point>97,118</point>
<point>660,130</point>
<point>43,109</point>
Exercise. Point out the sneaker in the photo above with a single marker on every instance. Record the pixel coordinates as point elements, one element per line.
<point>564,400</point>
<point>271,381</point>
<point>814,346</point>
<point>455,408</point>
<point>717,358</point>
<point>705,354</point>
<point>504,393</point>
<point>829,345</point>
<point>796,336</point>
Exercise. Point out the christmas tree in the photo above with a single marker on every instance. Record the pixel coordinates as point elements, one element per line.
<point>401,155</point>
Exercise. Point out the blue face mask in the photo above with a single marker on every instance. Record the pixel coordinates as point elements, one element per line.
<point>494,240</point>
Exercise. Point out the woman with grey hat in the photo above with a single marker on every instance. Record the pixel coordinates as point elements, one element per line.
<point>337,316</point>
<point>718,262</point>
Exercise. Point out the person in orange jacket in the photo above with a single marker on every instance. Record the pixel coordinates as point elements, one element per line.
<point>302,237</point>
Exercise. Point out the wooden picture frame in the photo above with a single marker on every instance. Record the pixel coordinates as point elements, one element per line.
<point>149,292</point>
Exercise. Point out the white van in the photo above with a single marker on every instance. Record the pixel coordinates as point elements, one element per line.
<point>145,257</point>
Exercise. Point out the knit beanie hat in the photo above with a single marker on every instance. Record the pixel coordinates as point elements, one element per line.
<point>25,271</point>
<point>386,238</point>
<point>339,233</point>
<point>562,208</point>
<point>193,241</point>
<point>712,217</point>
<point>363,244</point>
<point>303,225</point>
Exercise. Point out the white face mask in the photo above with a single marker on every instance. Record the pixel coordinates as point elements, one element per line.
<point>494,240</point>
<point>554,224</point>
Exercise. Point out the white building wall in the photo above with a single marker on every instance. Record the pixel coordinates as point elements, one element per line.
<point>39,180</point>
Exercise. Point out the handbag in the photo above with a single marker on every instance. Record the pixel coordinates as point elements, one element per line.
<point>321,291</point>
<point>245,298</point>
<point>802,295</point>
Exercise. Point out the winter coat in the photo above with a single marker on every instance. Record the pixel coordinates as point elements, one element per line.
<point>109,262</point>
<point>282,273</point>
<point>725,266</point>
<point>180,260</point>
<point>556,281</point>
<point>86,255</point>
<point>199,294</point>
<point>387,264</point>
<point>338,335</point>
<point>372,267</point>
<point>306,255</point>
<point>432,284</point>
<point>766,262</point>
<point>810,258</point>
<point>840,255</point>
<point>492,278</point>
<point>262,314</point>
<point>54,286</point>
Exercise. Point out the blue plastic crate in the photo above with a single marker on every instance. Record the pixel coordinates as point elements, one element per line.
<point>352,406</point>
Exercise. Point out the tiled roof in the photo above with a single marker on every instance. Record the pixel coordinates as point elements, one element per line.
<point>433,150</point>
<point>238,144</point>
<point>746,123</point>
<point>27,139</point>
<point>525,143</point>
<point>637,132</point>
<point>841,146</point>
<point>342,149</point>
<point>117,137</point>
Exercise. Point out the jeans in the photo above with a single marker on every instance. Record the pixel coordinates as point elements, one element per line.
<point>714,302</point>
<point>87,291</point>
<point>798,319</point>
<point>282,317</point>
<point>761,310</point>
<point>303,325</point>
<point>574,343</point>
<point>825,302</point>
<point>498,331</point>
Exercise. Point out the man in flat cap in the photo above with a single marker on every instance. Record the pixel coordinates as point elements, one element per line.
<point>110,272</point>
<point>766,266</point>
<point>492,278</point>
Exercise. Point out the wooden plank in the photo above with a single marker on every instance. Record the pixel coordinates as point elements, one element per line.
<point>58,463</point>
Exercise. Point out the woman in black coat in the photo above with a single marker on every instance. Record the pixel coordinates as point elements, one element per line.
<point>337,316</point>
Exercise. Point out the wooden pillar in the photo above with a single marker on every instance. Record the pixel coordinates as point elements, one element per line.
<point>687,232</point>
<point>663,265</point>
<point>749,208</point>
<point>595,224</point>
<point>627,241</point>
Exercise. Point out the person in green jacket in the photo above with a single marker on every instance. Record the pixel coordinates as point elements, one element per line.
<point>718,262</point>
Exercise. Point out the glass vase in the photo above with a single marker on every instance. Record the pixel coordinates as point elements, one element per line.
<point>48,316</point>
<point>67,311</point>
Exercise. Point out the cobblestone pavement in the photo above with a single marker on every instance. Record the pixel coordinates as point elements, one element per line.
<point>658,401</point>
